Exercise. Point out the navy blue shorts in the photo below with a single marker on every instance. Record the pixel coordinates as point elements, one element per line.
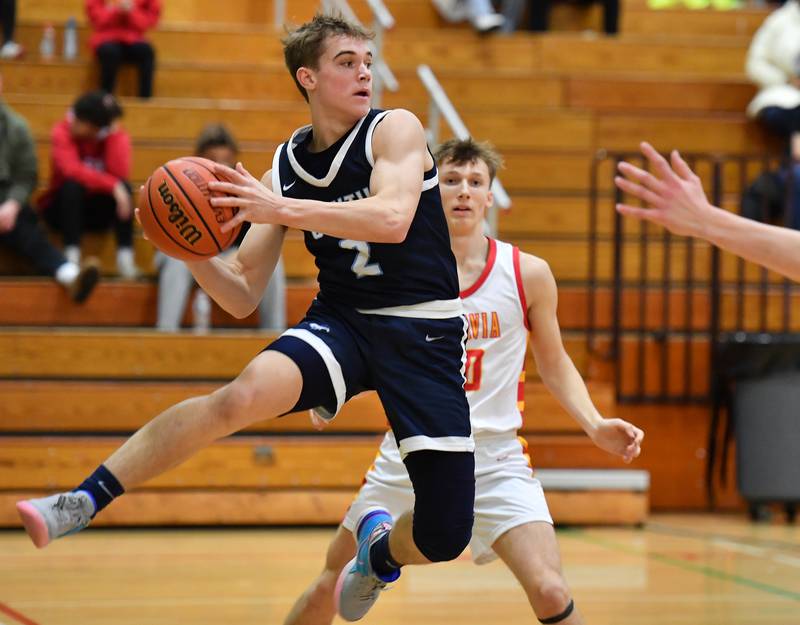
<point>415,365</point>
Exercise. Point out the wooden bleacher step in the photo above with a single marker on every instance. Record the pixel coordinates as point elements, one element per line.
<point>636,17</point>
<point>452,48</point>
<point>39,302</point>
<point>325,472</point>
<point>75,407</point>
<point>139,354</point>
<point>310,507</point>
<point>546,129</point>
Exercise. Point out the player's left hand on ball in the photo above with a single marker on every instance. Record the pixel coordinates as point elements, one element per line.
<point>256,203</point>
<point>619,438</point>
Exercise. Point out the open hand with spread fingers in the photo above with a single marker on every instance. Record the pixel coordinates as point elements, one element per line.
<point>674,196</point>
<point>256,203</point>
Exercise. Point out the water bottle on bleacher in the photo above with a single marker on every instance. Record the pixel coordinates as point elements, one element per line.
<point>70,52</point>
<point>47,47</point>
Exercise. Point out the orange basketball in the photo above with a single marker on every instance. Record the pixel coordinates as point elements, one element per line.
<point>176,214</point>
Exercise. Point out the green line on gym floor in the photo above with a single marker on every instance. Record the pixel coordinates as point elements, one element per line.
<point>683,564</point>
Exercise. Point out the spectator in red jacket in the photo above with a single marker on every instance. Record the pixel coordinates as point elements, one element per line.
<point>89,190</point>
<point>118,37</point>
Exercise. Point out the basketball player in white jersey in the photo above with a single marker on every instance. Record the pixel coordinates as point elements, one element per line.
<point>506,294</point>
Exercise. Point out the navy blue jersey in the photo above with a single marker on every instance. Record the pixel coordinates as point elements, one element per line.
<point>360,274</point>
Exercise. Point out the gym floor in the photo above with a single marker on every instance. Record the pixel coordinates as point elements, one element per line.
<point>692,569</point>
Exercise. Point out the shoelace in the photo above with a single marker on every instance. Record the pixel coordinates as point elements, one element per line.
<point>72,509</point>
<point>377,585</point>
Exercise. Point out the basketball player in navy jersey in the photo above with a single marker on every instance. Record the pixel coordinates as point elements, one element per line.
<point>363,186</point>
<point>506,294</point>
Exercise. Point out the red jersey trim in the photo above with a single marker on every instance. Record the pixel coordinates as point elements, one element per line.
<point>491,257</point>
<point>520,288</point>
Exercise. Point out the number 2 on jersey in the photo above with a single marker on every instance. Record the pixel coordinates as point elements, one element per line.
<point>473,370</point>
<point>361,265</point>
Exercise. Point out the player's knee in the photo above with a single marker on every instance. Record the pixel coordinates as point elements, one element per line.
<point>232,404</point>
<point>442,541</point>
<point>444,489</point>
<point>550,596</point>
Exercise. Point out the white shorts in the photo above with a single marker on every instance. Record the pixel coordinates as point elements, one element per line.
<point>506,493</point>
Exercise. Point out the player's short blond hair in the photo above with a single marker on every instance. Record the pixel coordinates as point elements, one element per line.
<point>460,151</point>
<point>303,46</point>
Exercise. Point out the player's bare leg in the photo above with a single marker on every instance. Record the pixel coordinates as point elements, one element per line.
<point>269,386</point>
<point>317,606</point>
<point>531,553</point>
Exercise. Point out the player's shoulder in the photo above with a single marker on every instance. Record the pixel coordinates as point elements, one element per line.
<point>398,123</point>
<point>536,275</point>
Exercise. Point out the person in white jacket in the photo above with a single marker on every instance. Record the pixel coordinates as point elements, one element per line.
<point>773,63</point>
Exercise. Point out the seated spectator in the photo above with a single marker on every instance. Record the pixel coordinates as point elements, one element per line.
<point>19,227</point>
<point>539,14</point>
<point>480,14</point>
<point>89,190</point>
<point>773,63</point>
<point>175,280</point>
<point>119,27</point>
<point>8,18</point>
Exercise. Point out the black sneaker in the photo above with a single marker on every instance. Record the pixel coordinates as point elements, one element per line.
<point>83,284</point>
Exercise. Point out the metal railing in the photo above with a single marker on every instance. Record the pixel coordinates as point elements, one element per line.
<point>441,106</point>
<point>672,299</point>
<point>672,332</point>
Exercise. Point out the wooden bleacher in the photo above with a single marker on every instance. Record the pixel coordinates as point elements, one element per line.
<point>548,102</point>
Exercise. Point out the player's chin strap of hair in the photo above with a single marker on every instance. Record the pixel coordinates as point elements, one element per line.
<point>560,617</point>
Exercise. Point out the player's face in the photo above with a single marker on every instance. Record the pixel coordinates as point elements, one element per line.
<point>466,194</point>
<point>344,77</point>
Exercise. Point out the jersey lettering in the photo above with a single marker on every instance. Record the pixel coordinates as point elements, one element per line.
<point>484,326</point>
<point>361,265</point>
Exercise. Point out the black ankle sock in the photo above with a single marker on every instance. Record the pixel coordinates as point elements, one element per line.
<point>381,560</point>
<point>103,488</point>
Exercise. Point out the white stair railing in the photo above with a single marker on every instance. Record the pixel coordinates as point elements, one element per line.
<point>441,106</point>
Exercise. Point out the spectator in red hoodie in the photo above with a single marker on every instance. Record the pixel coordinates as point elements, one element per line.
<point>89,190</point>
<point>118,37</point>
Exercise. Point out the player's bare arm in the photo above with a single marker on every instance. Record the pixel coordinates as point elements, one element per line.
<point>237,282</point>
<point>557,370</point>
<point>401,159</point>
<point>675,199</point>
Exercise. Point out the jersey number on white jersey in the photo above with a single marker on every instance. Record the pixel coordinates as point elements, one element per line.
<point>361,265</point>
<point>473,369</point>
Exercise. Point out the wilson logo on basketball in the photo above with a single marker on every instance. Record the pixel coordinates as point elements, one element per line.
<point>177,216</point>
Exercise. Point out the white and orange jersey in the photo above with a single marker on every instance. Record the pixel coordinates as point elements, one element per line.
<point>497,340</point>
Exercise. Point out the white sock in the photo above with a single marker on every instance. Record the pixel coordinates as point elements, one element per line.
<point>126,265</point>
<point>66,273</point>
<point>73,254</point>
